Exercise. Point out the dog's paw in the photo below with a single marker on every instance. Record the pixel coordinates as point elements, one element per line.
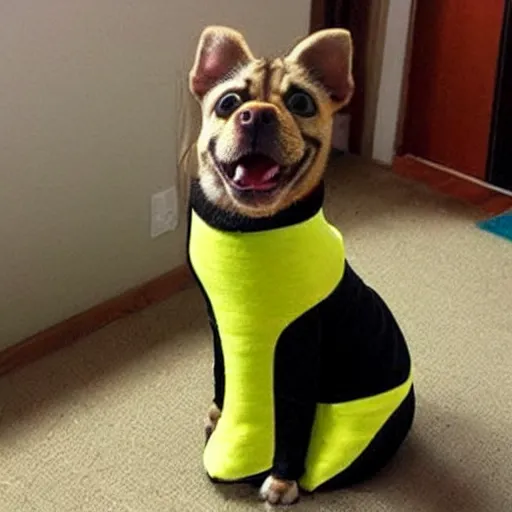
<point>211,420</point>
<point>279,492</point>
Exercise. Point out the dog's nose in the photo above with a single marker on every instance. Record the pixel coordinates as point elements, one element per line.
<point>255,117</point>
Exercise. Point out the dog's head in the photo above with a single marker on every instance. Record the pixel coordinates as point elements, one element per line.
<point>266,124</point>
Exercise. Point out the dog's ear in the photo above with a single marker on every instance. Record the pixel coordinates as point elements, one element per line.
<point>327,56</point>
<point>220,51</point>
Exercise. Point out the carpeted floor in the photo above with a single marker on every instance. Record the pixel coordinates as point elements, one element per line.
<point>114,423</point>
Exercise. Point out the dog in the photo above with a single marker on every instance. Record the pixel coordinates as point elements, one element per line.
<point>312,374</point>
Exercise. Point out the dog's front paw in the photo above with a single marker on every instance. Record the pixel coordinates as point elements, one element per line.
<point>211,420</point>
<point>279,492</point>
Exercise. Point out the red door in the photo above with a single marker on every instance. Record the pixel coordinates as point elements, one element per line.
<point>451,82</point>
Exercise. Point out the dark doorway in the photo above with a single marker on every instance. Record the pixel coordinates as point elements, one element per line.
<point>499,164</point>
<point>352,15</point>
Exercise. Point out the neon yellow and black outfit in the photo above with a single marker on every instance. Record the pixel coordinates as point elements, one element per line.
<point>312,373</point>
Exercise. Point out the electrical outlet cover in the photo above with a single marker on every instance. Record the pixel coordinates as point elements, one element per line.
<point>164,211</point>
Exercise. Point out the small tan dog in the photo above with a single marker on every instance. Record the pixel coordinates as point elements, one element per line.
<point>281,94</point>
<point>303,338</point>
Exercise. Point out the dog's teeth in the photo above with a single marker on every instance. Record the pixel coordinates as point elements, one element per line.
<point>239,172</point>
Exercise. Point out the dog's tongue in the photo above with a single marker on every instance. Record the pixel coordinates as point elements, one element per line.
<point>256,172</point>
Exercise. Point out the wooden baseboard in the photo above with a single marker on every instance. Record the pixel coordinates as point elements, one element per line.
<point>73,328</point>
<point>453,184</point>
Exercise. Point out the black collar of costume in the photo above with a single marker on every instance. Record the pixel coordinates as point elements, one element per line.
<point>230,221</point>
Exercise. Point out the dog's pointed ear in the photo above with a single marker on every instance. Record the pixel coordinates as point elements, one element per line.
<point>220,51</point>
<point>327,56</point>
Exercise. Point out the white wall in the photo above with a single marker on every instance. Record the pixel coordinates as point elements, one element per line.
<point>88,123</point>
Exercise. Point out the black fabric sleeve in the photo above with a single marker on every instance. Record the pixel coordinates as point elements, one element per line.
<point>218,363</point>
<point>295,369</point>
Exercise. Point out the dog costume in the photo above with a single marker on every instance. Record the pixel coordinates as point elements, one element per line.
<point>312,373</point>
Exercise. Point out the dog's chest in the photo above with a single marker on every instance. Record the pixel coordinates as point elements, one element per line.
<point>265,280</point>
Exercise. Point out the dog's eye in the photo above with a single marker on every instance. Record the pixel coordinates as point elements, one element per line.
<point>228,104</point>
<point>300,103</point>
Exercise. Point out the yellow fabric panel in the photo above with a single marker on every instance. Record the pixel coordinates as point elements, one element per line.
<point>258,283</point>
<point>341,432</point>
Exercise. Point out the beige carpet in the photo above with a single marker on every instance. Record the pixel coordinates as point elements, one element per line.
<point>114,423</point>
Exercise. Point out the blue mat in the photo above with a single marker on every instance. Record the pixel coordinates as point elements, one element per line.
<point>500,225</point>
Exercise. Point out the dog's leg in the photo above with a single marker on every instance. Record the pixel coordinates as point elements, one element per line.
<point>214,412</point>
<point>211,420</point>
<point>279,492</point>
<point>295,370</point>
<point>294,421</point>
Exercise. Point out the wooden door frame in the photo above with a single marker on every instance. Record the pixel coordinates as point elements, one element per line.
<point>402,106</point>
<point>386,126</point>
<point>393,80</point>
<point>499,161</point>
<point>382,113</point>
<point>355,15</point>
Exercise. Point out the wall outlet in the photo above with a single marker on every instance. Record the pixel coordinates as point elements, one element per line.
<point>164,211</point>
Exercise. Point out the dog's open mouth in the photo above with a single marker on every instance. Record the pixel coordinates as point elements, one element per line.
<point>257,173</point>
<point>254,172</point>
